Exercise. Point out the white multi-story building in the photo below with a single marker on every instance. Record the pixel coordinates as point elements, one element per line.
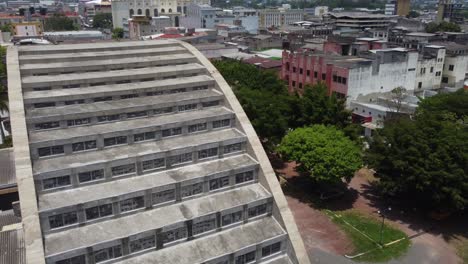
<point>430,67</point>
<point>320,11</point>
<point>124,9</point>
<point>455,66</point>
<point>205,16</point>
<point>279,17</point>
<point>139,152</point>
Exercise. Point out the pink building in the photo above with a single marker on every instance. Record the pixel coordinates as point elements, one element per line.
<point>373,72</point>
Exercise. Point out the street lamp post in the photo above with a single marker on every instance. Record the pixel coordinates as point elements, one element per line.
<point>382,225</point>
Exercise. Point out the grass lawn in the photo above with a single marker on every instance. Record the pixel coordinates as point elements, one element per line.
<point>370,227</point>
<point>461,244</point>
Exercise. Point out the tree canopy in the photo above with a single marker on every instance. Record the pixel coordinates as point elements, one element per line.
<point>102,20</point>
<point>442,26</point>
<point>271,109</point>
<point>413,14</point>
<point>59,22</point>
<point>317,107</point>
<point>322,151</point>
<point>425,159</point>
<point>117,33</point>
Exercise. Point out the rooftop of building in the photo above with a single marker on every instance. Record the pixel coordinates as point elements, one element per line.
<point>355,14</point>
<point>264,63</point>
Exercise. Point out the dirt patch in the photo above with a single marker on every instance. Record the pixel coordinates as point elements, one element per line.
<point>317,230</point>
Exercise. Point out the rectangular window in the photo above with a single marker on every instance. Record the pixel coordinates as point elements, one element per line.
<point>64,219</point>
<point>271,249</point>
<point>209,104</point>
<point>324,76</point>
<point>182,158</point>
<point>153,164</point>
<point>98,211</point>
<point>47,125</point>
<point>335,78</point>
<point>91,175</point>
<point>128,96</point>
<point>258,210</point>
<point>180,90</point>
<point>451,67</point>
<point>196,127</point>
<point>174,234</point>
<point>200,88</point>
<point>206,153</point>
<point>172,132</point>
<point>219,183</point>
<point>56,182</point>
<point>163,110</point>
<point>72,102</point>
<point>115,141</point>
<point>136,114</point>
<point>102,99</point>
<point>142,243</point>
<point>75,260</point>
<point>432,69</point>
<point>411,69</point>
<point>246,258</point>
<point>81,146</point>
<point>293,83</point>
<point>50,151</point>
<point>154,93</point>
<point>163,196</point>
<point>144,136</point>
<point>221,123</point>
<point>244,177</point>
<point>123,81</point>
<point>78,122</point>
<point>420,85</point>
<point>108,118</point>
<point>71,86</point>
<point>123,169</point>
<point>343,80</point>
<point>107,253</point>
<point>97,84</point>
<point>43,105</point>
<point>42,88</point>
<point>308,73</point>
<point>187,107</point>
<point>444,79</point>
<point>438,73</point>
<point>315,74</point>
<point>232,148</point>
<point>301,70</point>
<point>203,226</point>
<point>231,218</point>
<point>190,190</point>
<point>132,204</point>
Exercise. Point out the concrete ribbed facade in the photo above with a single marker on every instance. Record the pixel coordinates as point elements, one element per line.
<point>138,152</point>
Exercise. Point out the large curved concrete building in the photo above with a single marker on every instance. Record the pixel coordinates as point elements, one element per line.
<point>139,152</point>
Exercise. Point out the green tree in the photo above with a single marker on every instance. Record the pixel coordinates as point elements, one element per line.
<point>322,151</point>
<point>317,107</point>
<point>424,160</point>
<point>117,33</point>
<point>59,22</point>
<point>263,96</point>
<point>102,20</point>
<point>443,26</point>
<point>6,28</point>
<point>413,14</point>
